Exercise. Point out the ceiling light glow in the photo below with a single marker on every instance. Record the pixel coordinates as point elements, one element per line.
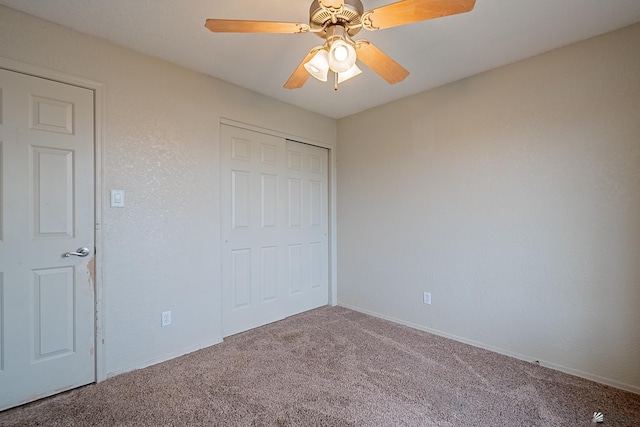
<point>342,56</point>
<point>318,66</point>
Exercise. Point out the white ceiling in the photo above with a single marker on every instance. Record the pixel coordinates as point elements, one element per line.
<point>436,52</point>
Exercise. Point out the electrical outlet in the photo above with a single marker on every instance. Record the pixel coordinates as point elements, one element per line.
<point>166,318</point>
<point>426,298</point>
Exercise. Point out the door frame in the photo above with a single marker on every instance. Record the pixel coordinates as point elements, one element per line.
<point>99,125</point>
<point>332,212</point>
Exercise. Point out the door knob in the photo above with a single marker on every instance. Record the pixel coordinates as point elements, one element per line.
<point>81,252</point>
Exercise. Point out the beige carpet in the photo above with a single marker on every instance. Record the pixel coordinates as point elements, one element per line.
<point>336,367</point>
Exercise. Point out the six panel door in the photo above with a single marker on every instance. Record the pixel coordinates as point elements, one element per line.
<point>274,228</point>
<point>47,309</point>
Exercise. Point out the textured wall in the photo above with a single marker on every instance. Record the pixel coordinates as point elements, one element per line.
<point>514,198</point>
<point>161,145</point>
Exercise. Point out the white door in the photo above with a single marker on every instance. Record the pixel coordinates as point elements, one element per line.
<point>47,310</point>
<point>274,228</point>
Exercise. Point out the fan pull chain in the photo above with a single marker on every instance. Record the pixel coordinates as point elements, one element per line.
<point>335,85</point>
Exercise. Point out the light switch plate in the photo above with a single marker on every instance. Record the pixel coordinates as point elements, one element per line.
<point>117,198</point>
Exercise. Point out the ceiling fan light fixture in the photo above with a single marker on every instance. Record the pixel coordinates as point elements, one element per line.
<point>342,56</point>
<point>318,66</point>
<point>350,73</point>
<point>342,52</point>
<point>337,21</point>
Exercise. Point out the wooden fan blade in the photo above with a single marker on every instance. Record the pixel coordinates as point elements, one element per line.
<point>380,62</point>
<point>410,11</point>
<point>300,75</point>
<point>241,26</point>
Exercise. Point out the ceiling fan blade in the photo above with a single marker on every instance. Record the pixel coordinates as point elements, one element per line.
<point>410,11</point>
<point>300,75</point>
<point>242,26</point>
<point>380,62</point>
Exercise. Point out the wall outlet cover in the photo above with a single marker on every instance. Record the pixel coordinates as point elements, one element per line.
<point>166,318</point>
<point>426,298</point>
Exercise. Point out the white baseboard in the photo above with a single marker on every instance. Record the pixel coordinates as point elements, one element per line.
<point>164,358</point>
<point>526,358</point>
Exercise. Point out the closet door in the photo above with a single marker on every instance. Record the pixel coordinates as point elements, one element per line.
<point>274,228</point>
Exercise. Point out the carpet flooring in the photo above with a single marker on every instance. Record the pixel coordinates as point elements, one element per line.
<point>336,367</point>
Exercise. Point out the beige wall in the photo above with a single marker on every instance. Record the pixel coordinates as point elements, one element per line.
<point>161,146</point>
<point>514,198</point>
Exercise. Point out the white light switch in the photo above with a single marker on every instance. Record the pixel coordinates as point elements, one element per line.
<point>117,198</point>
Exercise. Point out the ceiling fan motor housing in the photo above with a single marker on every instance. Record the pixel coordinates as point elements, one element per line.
<point>348,16</point>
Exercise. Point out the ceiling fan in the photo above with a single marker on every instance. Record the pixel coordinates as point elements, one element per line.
<point>337,21</point>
